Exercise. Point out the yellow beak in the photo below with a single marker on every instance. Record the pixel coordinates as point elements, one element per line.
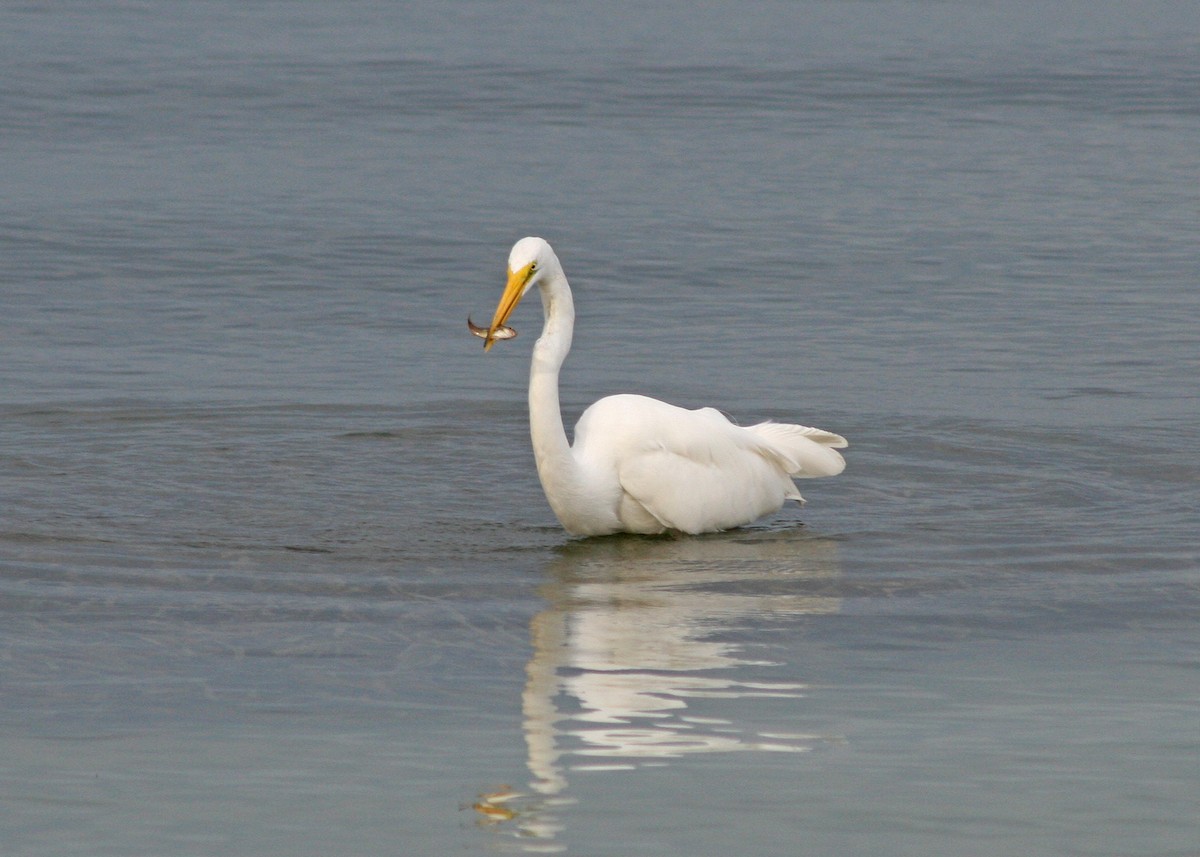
<point>514,290</point>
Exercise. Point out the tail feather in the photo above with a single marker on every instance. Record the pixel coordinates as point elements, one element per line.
<point>808,451</point>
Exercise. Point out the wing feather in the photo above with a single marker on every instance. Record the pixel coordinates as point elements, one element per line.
<point>695,471</point>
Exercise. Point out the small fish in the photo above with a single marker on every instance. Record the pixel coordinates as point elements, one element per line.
<point>502,332</point>
<point>489,805</point>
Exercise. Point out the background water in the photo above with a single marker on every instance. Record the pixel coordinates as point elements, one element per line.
<point>276,575</point>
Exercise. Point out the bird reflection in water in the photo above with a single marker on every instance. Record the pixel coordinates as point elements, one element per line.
<point>635,630</point>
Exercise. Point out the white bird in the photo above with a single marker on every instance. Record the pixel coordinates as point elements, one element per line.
<point>639,465</point>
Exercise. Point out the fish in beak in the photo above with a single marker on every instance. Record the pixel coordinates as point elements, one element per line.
<point>514,290</point>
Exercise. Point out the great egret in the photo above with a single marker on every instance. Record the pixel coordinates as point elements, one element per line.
<point>639,465</point>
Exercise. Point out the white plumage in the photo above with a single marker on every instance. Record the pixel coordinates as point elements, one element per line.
<point>640,465</point>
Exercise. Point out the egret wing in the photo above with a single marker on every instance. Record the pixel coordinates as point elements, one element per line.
<point>696,494</point>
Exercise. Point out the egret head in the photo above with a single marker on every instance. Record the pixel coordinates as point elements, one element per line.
<point>529,261</point>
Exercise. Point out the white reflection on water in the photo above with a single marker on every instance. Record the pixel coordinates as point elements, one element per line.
<point>637,628</point>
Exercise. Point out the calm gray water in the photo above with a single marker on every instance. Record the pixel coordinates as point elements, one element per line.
<point>276,575</point>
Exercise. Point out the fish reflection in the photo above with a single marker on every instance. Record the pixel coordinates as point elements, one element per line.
<point>632,636</point>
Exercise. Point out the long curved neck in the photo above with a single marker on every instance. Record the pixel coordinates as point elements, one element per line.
<point>556,466</point>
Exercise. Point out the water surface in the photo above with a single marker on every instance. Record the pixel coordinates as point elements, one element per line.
<point>276,575</point>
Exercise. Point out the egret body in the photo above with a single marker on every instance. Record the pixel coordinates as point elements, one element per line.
<point>639,465</point>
